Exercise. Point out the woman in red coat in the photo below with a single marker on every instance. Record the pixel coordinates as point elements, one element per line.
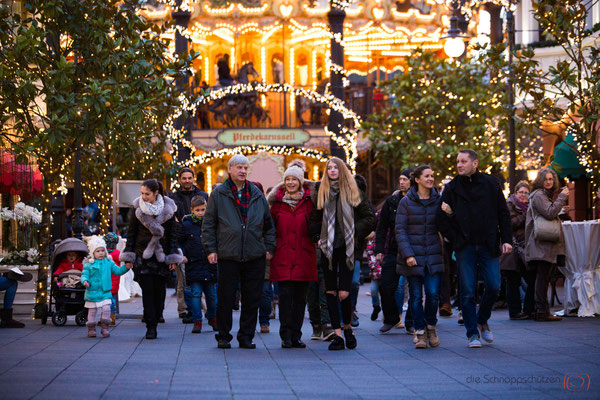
<point>294,263</point>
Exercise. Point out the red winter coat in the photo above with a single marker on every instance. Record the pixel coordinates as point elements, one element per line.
<point>116,279</point>
<point>295,257</point>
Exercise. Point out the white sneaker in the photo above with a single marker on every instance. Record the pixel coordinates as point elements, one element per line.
<point>486,333</point>
<point>474,341</point>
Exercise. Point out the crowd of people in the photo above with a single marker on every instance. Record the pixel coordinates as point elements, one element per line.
<point>308,238</point>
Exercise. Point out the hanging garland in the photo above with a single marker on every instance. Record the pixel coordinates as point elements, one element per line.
<point>347,141</point>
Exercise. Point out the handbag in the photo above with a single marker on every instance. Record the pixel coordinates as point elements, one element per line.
<point>545,230</point>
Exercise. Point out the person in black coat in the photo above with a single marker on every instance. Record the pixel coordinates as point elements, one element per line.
<point>420,253</point>
<point>200,275</point>
<point>151,248</point>
<point>386,250</point>
<point>183,199</point>
<point>474,217</point>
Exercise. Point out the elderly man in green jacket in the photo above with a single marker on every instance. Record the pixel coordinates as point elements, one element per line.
<point>239,234</point>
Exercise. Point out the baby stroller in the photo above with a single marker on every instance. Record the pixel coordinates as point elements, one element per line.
<point>66,301</point>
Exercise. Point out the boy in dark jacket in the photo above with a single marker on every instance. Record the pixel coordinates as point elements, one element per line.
<point>200,275</point>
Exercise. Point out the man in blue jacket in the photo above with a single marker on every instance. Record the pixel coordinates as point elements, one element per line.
<point>475,218</point>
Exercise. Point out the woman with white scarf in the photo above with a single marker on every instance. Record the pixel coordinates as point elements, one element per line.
<point>342,221</point>
<point>152,249</point>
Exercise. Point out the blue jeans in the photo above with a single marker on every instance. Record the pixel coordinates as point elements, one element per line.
<point>264,308</point>
<point>375,292</point>
<point>468,260</point>
<point>210,294</point>
<point>113,304</point>
<point>10,288</point>
<point>399,293</point>
<point>427,316</point>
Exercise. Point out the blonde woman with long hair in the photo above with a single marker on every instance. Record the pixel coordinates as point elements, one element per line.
<point>342,221</point>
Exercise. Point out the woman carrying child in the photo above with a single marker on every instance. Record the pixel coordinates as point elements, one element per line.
<point>96,278</point>
<point>151,248</point>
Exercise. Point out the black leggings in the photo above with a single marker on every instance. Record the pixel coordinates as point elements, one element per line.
<point>339,277</point>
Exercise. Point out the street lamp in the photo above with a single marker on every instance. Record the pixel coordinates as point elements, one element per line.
<point>455,40</point>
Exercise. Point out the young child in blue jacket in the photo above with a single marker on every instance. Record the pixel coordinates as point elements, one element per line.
<point>96,278</point>
<point>200,275</point>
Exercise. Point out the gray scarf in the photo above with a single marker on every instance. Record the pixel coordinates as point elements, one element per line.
<point>335,207</point>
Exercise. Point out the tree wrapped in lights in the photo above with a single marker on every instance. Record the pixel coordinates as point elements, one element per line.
<point>91,72</point>
<point>567,93</point>
<point>439,106</point>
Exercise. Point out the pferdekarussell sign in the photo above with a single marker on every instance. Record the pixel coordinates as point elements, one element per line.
<point>271,137</point>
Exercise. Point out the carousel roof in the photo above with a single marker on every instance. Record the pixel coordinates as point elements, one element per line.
<point>392,27</point>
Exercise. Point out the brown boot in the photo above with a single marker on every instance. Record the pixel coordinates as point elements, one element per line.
<point>421,339</point>
<point>434,340</point>
<point>445,310</point>
<point>7,321</point>
<point>113,319</point>
<point>104,331</point>
<point>91,329</point>
<point>547,317</point>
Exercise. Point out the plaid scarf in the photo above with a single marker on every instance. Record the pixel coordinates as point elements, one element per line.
<point>242,198</point>
<point>337,211</point>
<point>195,219</point>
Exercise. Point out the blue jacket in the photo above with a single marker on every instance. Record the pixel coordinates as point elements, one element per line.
<point>98,276</point>
<point>417,234</point>
<point>197,269</point>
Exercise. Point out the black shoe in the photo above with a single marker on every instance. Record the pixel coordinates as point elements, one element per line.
<point>337,343</point>
<point>187,320</point>
<point>183,315</point>
<point>520,316</point>
<point>350,339</point>
<point>161,320</point>
<point>151,332</point>
<point>298,344</point>
<point>247,344</point>
<point>223,344</point>
<point>286,344</point>
<point>375,313</point>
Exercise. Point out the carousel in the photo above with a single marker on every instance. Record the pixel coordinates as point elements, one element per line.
<point>267,66</point>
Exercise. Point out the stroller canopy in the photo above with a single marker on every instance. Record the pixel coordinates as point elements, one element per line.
<point>70,244</point>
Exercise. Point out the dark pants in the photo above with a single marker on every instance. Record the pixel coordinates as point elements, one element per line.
<point>544,271</point>
<point>153,297</point>
<point>513,291</point>
<point>529,303</point>
<point>428,315</point>
<point>469,260</point>
<point>292,303</point>
<point>336,279</point>
<point>317,302</point>
<point>266,300</point>
<point>446,285</point>
<point>251,275</point>
<point>387,289</point>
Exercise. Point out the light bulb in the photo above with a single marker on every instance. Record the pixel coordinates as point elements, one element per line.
<point>454,47</point>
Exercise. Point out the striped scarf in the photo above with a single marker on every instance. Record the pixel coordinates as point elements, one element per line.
<point>242,198</point>
<point>335,207</point>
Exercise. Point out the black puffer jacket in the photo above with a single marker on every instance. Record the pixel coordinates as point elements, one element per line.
<point>148,257</point>
<point>417,234</point>
<point>385,234</point>
<point>197,268</point>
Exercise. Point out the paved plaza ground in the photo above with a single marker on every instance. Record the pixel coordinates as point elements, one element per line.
<point>528,360</point>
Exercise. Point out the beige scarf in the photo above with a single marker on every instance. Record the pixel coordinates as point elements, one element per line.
<point>293,199</point>
<point>335,207</point>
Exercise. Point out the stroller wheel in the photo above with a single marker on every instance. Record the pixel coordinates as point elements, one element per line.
<point>81,317</point>
<point>59,318</point>
<point>45,314</point>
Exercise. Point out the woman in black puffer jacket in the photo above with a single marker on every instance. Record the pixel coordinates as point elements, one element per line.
<point>420,253</point>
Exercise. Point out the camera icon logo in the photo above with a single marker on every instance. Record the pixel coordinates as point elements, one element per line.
<point>576,382</point>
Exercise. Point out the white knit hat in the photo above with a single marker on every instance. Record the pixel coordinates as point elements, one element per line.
<point>295,172</point>
<point>95,242</point>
